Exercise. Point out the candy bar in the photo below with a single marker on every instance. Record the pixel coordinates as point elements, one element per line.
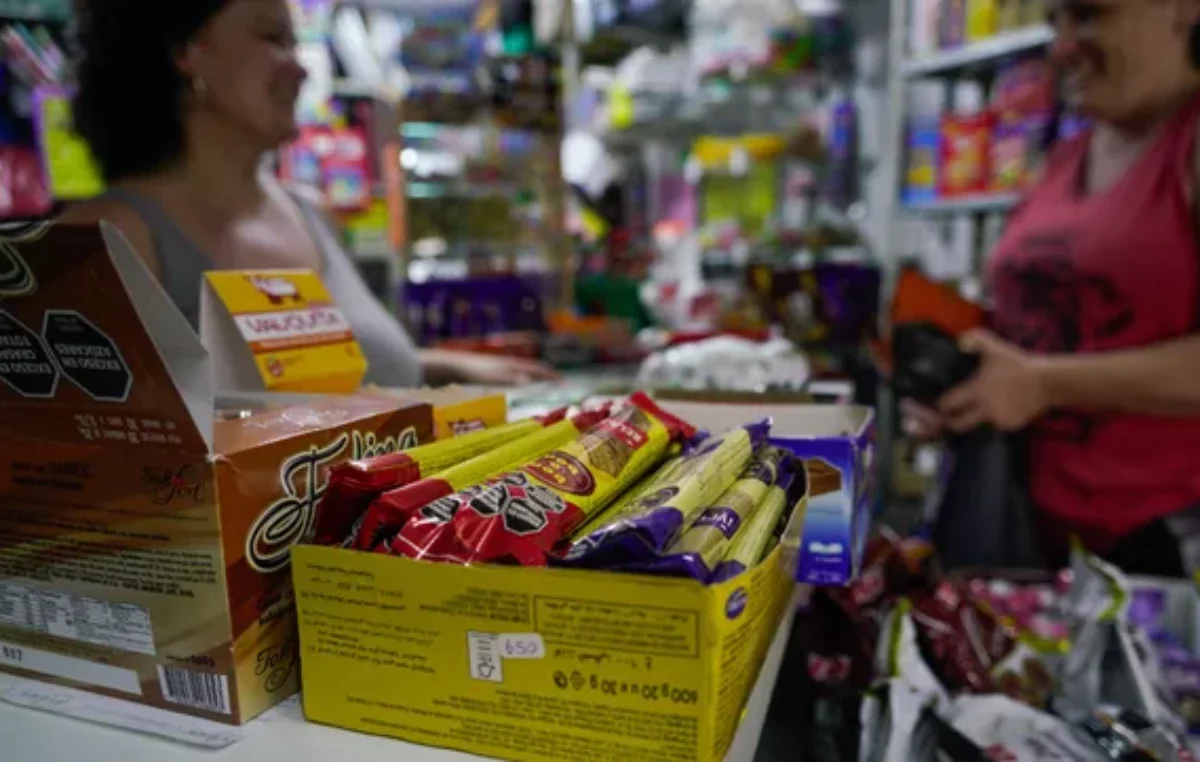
<point>354,484</point>
<point>422,509</point>
<point>751,542</point>
<point>647,526</point>
<point>700,549</point>
<point>648,483</point>
<point>526,512</point>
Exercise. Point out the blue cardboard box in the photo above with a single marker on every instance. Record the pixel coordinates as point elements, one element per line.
<point>837,444</point>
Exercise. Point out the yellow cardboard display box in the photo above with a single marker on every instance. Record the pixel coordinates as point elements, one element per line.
<point>548,665</point>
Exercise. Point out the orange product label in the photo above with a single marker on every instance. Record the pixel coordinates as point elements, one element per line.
<point>299,339</point>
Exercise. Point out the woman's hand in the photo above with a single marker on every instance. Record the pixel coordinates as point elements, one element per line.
<point>921,422</point>
<point>445,366</point>
<point>1008,391</point>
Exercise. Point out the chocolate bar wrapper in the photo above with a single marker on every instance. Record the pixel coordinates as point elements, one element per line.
<point>353,485</point>
<point>648,483</point>
<point>700,549</point>
<point>648,525</point>
<point>530,510</point>
<point>751,542</point>
<point>424,508</point>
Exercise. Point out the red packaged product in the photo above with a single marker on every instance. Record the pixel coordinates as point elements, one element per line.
<point>425,507</point>
<point>963,643</point>
<point>965,161</point>
<point>520,515</point>
<point>353,485</point>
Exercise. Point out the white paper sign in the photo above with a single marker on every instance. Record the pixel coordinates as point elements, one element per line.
<point>122,714</point>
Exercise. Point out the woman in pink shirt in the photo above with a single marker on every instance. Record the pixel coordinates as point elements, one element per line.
<point>1094,349</point>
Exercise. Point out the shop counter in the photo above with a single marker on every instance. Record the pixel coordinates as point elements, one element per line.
<point>280,735</point>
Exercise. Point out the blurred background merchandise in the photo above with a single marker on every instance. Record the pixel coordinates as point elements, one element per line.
<point>634,188</point>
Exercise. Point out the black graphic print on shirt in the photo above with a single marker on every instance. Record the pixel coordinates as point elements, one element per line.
<point>1047,305</point>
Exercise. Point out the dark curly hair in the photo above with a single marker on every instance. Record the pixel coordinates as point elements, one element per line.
<point>130,102</point>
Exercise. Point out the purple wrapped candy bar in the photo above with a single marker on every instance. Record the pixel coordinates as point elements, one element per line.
<point>648,525</point>
<point>698,550</point>
<point>755,538</point>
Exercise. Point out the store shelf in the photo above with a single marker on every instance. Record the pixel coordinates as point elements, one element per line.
<point>718,110</point>
<point>979,54</point>
<point>992,202</point>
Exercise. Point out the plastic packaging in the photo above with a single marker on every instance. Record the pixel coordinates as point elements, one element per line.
<point>522,514</point>
<point>424,501</point>
<point>699,550</point>
<point>647,526</point>
<point>353,485</point>
<point>755,538</point>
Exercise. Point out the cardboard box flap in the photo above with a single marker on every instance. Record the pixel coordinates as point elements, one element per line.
<point>253,421</point>
<point>91,348</point>
<point>182,353</point>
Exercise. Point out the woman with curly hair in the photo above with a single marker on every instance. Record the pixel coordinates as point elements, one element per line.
<point>182,101</point>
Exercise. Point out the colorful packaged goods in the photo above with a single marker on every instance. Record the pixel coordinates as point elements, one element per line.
<point>700,549</point>
<point>647,526</point>
<point>417,515</point>
<point>355,484</point>
<point>521,515</point>
<point>748,547</point>
<point>964,159</point>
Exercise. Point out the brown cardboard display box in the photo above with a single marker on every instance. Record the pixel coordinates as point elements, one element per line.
<point>145,533</point>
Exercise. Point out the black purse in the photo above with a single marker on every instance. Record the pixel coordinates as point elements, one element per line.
<point>985,517</point>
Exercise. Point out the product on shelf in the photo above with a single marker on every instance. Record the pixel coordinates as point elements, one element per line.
<point>964,162</point>
<point>952,23</point>
<point>983,19</point>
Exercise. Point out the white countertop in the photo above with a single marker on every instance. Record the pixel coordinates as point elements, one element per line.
<point>280,735</point>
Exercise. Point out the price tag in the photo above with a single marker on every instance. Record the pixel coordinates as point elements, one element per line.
<point>527,646</point>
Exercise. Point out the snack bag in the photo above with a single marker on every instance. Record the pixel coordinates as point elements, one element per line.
<point>700,549</point>
<point>422,510</point>
<point>1127,736</point>
<point>999,728</point>
<point>1110,661</point>
<point>526,512</point>
<point>964,643</point>
<point>354,484</point>
<point>749,545</point>
<point>647,526</point>
<point>897,715</point>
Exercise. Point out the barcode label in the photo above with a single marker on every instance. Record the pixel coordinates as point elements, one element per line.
<point>199,690</point>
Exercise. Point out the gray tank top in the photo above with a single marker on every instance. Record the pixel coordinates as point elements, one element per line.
<point>391,355</point>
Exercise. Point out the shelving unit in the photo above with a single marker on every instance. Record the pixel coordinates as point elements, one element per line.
<point>980,55</point>
<point>982,204</point>
<point>979,61</point>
